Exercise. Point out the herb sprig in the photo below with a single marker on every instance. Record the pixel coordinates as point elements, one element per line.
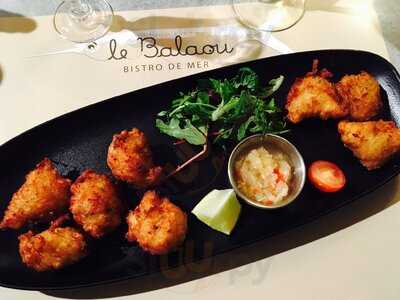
<point>227,110</point>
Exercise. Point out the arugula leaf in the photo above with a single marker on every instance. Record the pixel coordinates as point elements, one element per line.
<point>267,118</point>
<point>242,130</point>
<point>162,113</point>
<point>194,104</point>
<point>246,78</point>
<point>224,135</point>
<point>225,89</point>
<point>273,86</point>
<point>193,135</point>
<point>224,108</point>
<point>243,107</point>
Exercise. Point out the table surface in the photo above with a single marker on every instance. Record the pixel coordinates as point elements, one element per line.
<point>331,257</point>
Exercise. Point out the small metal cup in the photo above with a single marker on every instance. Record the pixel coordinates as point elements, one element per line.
<point>272,143</point>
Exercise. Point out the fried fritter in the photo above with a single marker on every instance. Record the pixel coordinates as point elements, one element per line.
<point>95,204</point>
<point>156,224</point>
<point>43,197</point>
<point>313,96</point>
<point>130,159</point>
<point>372,142</point>
<point>52,249</point>
<point>361,92</point>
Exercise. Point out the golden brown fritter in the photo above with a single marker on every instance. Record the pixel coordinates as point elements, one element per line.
<point>52,249</point>
<point>372,142</point>
<point>361,92</point>
<point>156,224</point>
<point>130,160</point>
<point>313,96</point>
<point>43,197</point>
<point>95,204</point>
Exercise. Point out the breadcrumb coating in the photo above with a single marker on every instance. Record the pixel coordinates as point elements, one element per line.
<point>43,197</point>
<point>95,204</point>
<point>52,249</point>
<point>372,142</point>
<point>314,96</point>
<point>156,224</point>
<point>130,159</point>
<point>361,93</point>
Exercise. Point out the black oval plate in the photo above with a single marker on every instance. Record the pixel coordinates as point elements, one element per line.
<point>79,140</point>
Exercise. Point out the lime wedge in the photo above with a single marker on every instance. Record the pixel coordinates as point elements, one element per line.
<point>220,210</point>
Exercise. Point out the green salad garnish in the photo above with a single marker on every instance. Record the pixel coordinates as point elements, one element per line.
<point>223,110</point>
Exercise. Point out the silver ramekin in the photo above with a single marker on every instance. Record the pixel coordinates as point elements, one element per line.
<point>270,142</point>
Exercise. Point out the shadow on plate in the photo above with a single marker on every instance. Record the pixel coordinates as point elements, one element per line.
<point>13,23</point>
<point>329,224</point>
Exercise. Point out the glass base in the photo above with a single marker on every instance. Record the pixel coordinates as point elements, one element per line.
<point>269,15</point>
<point>83,28</point>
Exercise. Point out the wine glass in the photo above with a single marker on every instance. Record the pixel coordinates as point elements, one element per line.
<point>83,21</point>
<point>269,15</point>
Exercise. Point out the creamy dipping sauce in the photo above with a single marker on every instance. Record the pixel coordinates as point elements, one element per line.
<point>264,176</point>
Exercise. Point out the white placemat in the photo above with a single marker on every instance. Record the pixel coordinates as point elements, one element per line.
<point>358,262</point>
